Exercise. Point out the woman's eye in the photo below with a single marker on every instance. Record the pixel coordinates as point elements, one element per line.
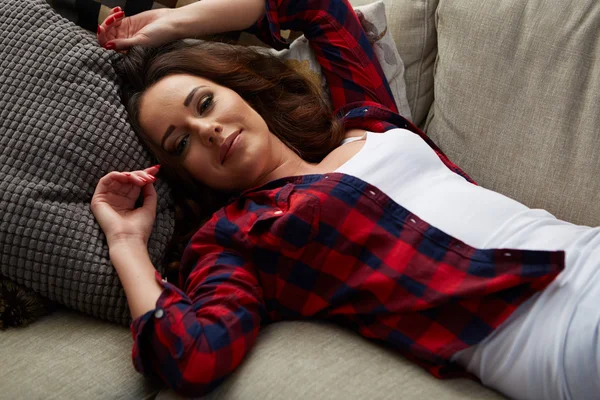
<point>181,145</point>
<point>205,103</point>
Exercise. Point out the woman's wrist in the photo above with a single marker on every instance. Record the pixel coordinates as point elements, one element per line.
<point>137,274</point>
<point>126,243</point>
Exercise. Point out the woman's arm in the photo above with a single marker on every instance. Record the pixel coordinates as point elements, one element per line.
<point>193,340</point>
<point>334,32</point>
<point>163,25</point>
<point>340,44</point>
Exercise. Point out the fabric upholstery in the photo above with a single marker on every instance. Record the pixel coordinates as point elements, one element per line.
<point>69,355</point>
<point>63,127</point>
<point>517,100</point>
<point>313,360</point>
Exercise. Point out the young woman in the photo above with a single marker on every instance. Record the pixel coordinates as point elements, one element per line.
<point>348,214</point>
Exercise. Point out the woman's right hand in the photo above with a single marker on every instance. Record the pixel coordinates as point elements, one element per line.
<point>113,205</point>
<point>149,28</point>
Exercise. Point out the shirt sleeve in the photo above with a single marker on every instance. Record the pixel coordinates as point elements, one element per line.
<point>339,43</point>
<point>193,340</point>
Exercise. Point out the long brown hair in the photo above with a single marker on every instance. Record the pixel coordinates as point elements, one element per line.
<point>293,107</point>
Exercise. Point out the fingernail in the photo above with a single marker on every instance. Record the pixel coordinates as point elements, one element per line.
<point>157,166</point>
<point>109,46</point>
<point>127,173</point>
<point>116,9</point>
<point>99,30</point>
<point>118,15</point>
<point>110,20</point>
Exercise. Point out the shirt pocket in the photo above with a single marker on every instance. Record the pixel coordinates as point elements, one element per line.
<point>290,227</point>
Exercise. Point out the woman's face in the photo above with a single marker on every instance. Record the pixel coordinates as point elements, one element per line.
<point>217,137</point>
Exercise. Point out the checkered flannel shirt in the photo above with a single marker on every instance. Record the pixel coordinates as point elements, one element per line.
<point>330,247</point>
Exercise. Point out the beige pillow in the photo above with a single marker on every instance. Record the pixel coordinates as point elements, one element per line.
<point>412,26</point>
<point>517,100</point>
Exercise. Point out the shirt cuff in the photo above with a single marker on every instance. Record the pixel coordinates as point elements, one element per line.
<point>159,315</point>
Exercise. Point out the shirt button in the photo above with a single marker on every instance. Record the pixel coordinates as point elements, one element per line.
<point>278,212</point>
<point>372,193</point>
<point>159,313</point>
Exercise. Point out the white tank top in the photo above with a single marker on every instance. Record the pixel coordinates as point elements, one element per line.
<point>517,353</point>
<point>404,167</point>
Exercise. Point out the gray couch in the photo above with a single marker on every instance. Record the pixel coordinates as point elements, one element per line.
<point>509,89</point>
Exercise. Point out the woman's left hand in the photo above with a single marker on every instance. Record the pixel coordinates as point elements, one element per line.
<point>114,201</point>
<point>148,28</point>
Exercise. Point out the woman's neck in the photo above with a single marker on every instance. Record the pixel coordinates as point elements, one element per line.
<point>287,163</point>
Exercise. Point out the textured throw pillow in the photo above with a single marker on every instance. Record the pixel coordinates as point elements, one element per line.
<point>517,100</point>
<point>62,127</point>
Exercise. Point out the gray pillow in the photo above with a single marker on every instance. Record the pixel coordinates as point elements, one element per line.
<point>62,127</point>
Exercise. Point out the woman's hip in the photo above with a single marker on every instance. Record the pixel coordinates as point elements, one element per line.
<point>549,347</point>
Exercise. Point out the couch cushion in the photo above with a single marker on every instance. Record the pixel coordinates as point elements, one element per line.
<point>317,360</point>
<point>517,100</point>
<point>68,355</point>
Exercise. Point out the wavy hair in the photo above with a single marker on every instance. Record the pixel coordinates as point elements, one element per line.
<point>293,107</point>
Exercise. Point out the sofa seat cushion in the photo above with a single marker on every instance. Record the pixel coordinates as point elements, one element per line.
<point>517,100</point>
<point>73,356</point>
<point>69,355</point>
<point>317,360</point>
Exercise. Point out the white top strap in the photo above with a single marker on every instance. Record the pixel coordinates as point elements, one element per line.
<point>353,139</point>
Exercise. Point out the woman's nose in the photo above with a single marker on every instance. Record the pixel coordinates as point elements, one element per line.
<point>210,132</point>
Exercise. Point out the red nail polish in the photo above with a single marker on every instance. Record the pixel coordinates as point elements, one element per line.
<point>110,20</point>
<point>127,173</point>
<point>99,30</point>
<point>118,15</point>
<point>109,46</point>
<point>157,166</point>
<point>117,9</point>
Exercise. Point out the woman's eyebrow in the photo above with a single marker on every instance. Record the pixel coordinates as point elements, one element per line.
<point>191,95</point>
<point>186,103</point>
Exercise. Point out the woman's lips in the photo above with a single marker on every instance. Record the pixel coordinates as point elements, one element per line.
<point>227,144</point>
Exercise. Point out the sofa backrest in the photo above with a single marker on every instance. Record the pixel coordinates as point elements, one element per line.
<point>517,100</point>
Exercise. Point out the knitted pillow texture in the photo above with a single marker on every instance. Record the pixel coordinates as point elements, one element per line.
<point>63,127</point>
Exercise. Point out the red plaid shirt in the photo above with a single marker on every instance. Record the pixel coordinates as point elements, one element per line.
<point>330,247</point>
